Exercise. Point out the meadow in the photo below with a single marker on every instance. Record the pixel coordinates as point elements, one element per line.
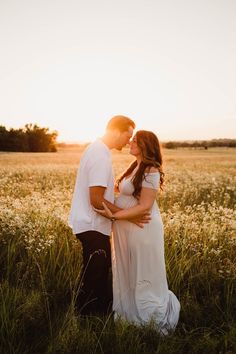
<point>40,258</point>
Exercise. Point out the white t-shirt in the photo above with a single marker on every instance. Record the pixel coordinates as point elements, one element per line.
<point>95,170</point>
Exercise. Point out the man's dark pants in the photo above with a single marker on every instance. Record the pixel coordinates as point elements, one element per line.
<point>95,293</point>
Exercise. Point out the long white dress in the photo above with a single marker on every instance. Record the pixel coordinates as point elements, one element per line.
<point>140,289</point>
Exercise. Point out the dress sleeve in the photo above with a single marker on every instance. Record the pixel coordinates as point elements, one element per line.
<point>151,180</point>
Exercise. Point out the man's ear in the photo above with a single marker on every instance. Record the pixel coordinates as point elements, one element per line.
<point>116,134</point>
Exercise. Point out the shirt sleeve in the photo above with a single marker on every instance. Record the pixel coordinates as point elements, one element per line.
<point>151,180</point>
<point>99,173</point>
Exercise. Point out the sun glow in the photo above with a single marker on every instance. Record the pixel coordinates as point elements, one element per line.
<point>81,65</point>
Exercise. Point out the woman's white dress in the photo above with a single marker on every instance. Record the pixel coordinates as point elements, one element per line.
<point>140,289</point>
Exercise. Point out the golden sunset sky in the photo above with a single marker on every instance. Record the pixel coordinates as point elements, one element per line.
<point>70,65</point>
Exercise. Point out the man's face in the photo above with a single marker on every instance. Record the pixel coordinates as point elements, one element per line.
<point>124,138</point>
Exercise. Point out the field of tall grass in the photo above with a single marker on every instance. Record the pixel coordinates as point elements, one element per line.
<point>40,258</point>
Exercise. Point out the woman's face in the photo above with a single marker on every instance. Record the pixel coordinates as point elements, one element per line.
<point>134,148</point>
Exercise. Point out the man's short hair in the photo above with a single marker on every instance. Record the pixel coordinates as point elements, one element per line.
<point>120,123</point>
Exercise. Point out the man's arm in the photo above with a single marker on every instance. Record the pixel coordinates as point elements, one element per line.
<point>97,198</point>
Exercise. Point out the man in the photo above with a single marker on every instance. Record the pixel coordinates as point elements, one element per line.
<point>95,185</point>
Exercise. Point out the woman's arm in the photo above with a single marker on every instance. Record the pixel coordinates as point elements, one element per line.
<point>147,198</point>
<point>139,214</point>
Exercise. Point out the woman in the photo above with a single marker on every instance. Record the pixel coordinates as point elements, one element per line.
<point>140,290</point>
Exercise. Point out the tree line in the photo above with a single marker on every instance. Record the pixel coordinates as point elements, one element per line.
<point>200,144</point>
<point>31,138</point>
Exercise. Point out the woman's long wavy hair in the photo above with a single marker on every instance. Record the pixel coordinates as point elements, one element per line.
<point>151,157</point>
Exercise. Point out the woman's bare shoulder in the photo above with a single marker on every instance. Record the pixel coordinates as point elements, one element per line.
<point>151,170</point>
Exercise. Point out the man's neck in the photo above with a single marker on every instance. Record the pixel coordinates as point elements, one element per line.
<point>107,141</point>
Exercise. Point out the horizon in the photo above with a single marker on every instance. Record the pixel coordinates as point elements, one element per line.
<point>162,141</point>
<point>83,142</point>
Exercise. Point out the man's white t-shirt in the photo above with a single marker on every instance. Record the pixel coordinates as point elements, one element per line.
<point>95,170</point>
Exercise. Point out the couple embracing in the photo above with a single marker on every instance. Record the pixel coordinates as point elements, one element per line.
<point>138,291</point>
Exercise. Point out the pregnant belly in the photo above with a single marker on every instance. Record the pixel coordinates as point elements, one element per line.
<point>125,201</point>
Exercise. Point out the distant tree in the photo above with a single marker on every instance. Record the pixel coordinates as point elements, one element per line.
<point>232,143</point>
<point>17,140</point>
<point>200,144</point>
<point>39,139</point>
<point>170,145</point>
<point>3,138</point>
<point>31,138</point>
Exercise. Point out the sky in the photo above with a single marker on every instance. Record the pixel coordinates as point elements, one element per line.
<point>70,65</point>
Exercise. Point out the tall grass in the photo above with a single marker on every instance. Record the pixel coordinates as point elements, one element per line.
<point>40,258</point>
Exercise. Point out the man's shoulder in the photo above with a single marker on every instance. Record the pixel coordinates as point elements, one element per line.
<point>97,147</point>
<point>96,152</point>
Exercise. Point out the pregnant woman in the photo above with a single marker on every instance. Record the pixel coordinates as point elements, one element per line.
<point>140,289</point>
